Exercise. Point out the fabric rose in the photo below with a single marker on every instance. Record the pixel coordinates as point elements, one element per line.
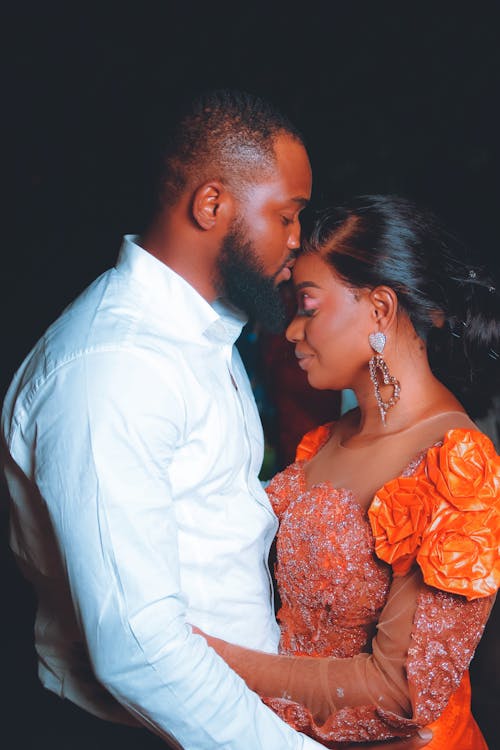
<point>460,552</point>
<point>399,514</point>
<point>466,470</point>
<point>446,517</point>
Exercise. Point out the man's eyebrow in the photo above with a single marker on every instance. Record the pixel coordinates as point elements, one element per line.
<point>301,201</point>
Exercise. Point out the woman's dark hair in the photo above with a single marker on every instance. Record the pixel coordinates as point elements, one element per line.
<point>453,304</point>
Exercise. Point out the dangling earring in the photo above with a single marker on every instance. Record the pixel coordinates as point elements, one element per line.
<point>377,362</point>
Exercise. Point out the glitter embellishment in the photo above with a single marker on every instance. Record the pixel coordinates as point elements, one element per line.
<point>446,631</point>
<point>331,584</point>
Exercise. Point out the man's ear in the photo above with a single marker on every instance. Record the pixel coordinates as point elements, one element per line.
<point>384,302</point>
<point>212,205</point>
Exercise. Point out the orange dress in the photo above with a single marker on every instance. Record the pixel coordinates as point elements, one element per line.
<point>396,599</point>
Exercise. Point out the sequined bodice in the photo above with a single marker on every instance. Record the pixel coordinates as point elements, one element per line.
<point>331,584</point>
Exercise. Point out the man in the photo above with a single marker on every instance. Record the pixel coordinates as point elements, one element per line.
<point>134,447</point>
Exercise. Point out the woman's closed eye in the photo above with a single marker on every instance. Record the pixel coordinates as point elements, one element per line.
<point>306,306</point>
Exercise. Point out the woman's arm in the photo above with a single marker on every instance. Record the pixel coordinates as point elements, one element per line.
<point>326,686</point>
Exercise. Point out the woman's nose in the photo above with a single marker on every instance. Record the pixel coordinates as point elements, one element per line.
<point>295,331</point>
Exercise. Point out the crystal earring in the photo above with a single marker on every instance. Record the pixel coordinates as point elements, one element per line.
<point>377,363</point>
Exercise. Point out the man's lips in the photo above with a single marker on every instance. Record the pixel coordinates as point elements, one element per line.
<point>285,272</point>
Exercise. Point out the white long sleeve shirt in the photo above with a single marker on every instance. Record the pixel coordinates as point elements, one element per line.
<point>133,446</point>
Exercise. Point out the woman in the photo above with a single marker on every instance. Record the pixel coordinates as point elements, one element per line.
<point>390,518</point>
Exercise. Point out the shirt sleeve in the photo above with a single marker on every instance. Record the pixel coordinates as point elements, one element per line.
<point>107,426</point>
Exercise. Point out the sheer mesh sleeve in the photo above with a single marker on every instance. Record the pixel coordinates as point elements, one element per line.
<point>424,642</point>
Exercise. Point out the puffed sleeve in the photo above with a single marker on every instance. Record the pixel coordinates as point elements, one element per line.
<point>446,517</point>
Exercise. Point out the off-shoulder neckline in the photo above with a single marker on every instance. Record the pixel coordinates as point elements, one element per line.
<point>416,460</point>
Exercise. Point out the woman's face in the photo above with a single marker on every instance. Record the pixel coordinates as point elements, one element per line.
<point>331,326</point>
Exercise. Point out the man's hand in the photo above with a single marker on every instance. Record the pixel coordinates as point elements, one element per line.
<point>420,740</point>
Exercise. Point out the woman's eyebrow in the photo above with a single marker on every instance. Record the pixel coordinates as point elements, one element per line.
<point>302,284</point>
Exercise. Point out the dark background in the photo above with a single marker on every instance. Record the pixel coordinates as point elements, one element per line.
<point>391,97</point>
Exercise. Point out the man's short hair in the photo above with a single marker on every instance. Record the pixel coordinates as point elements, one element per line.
<point>223,134</point>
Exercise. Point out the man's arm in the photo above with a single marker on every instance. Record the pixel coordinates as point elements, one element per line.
<point>105,440</point>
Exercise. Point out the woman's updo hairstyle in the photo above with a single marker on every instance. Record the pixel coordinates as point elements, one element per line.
<point>454,306</point>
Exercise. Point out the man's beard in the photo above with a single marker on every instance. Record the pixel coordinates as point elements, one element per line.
<point>242,281</point>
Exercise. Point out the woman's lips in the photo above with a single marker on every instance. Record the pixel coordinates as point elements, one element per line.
<point>303,359</point>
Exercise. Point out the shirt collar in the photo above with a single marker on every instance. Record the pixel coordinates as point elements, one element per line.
<point>166,290</point>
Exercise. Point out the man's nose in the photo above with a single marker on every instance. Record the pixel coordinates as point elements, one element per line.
<point>294,236</point>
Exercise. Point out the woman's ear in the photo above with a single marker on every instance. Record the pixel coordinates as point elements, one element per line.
<point>212,205</point>
<point>384,303</point>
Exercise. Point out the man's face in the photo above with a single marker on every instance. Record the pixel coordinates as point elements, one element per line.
<point>257,253</point>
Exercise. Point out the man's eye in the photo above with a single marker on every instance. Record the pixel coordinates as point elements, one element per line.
<point>286,221</point>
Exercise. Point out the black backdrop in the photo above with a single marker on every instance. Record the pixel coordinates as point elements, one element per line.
<point>391,96</point>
